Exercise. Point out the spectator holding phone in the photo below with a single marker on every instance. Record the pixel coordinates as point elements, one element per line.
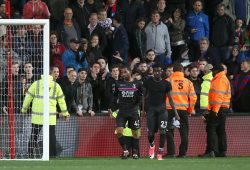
<point>197,27</point>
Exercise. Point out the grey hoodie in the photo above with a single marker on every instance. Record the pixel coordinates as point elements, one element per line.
<point>158,38</point>
<point>84,96</point>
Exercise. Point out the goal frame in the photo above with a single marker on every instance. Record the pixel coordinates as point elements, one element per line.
<point>46,42</point>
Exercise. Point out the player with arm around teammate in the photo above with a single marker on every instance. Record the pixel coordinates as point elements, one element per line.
<point>157,90</point>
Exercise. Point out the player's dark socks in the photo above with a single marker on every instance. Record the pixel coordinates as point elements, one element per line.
<point>151,139</point>
<point>122,142</point>
<point>135,146</point>
<point>162,140</point>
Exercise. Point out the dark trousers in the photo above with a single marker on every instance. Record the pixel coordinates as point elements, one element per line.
<point>184,128</point>
<point>34,143</point>
<point>130,146</point>
<point>216,132</point>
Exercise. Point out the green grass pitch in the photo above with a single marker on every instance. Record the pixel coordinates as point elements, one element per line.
<point>230,163</point>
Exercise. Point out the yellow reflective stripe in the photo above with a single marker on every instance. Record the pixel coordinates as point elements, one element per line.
<point>220,103</point>
<point>220,91</point>
<point>54,90</point>
<point>38,96</point>
<point>41,114</point>
<point>203,107</point>
<point>217,91</point>
<point>191,104</point>
<point>60,96</point>
<point>63,111</point>
<point>178,104</point>
<point>215,103</point>
<point>179,93</point>
<point>203,93</point>
<point>51,97</point>
<point>207,80</point>
<point>37,88</point>
<point>30,94</point>
<point>41,97</point>
<point>192,94</point>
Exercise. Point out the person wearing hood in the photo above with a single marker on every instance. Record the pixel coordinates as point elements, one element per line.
<point>205,87</point>
<point>35,95</point>
<point>219,97</point>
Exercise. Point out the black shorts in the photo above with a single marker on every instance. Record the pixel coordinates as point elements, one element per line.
<point>131,121</point>
<point>157,118</point>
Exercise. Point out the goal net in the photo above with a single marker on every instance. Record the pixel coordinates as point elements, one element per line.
<point>24,57</point>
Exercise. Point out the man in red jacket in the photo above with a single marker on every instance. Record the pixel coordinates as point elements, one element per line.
<point>36,9</point>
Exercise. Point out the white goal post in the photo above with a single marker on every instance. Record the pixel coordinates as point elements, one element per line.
<point>5,32</point>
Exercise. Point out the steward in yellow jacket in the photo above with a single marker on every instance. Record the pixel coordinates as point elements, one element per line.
<point>205,87</point>
<point>35,95</point>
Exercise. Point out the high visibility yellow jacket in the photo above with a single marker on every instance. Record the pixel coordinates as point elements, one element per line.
<point>205,87</point>
<point>35,95</point>
<point>183,93</point>
<point>219,93</point>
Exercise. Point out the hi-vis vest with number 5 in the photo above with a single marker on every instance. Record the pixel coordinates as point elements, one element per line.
<point>35,94</point>
<point>183,93</point>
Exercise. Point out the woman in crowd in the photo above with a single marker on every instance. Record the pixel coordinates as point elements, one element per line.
<point>138,39</point>
<point>94,51</point>
<point>56,51</point>
<point>176,32</point>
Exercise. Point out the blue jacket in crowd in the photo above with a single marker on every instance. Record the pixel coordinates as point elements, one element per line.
<point>197,21</point>
<point>70,58</point>
<point>243,55</point>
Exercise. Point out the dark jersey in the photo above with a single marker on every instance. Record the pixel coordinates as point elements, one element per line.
<point>127,96</point>
<point>156,91</point>
<point>110,88</point>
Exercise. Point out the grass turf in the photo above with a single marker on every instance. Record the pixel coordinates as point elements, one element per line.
<point>230,163</point>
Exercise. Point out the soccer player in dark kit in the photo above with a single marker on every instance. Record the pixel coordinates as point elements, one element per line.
<point>157,89</point>
<point>127,98</point>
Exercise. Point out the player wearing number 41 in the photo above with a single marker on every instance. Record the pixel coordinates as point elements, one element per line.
<point>184,98</point>
<point>128,93</point>
<point>157,90</point>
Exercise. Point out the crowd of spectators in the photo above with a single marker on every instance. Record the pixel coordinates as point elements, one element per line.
<point>90,39</point>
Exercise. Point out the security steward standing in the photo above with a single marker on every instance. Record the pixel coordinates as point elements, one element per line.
<point>184,98</point>
<point>219,103</point>
<point>35,95</point>
<point>205,87</point>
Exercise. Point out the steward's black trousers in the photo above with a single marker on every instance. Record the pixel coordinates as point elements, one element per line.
<point>216,132</point>
<point>184,128</point>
